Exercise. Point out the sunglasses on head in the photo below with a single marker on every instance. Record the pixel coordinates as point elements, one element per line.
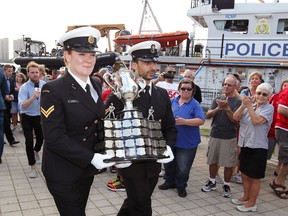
<point>186,89</point>
<point>174,72</point>
<point>262,93</point>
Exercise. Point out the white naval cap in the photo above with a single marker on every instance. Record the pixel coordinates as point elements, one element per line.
<point>145,51</point>
<point>83,39</point>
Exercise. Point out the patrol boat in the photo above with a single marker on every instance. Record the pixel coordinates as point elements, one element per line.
<point>241,38</point>
<point>230,37</point>
<point>54,59</point>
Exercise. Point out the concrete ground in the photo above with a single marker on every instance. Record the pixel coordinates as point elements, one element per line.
<point>23,196</point>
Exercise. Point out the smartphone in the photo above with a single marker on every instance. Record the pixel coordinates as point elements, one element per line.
<point>168,75</point>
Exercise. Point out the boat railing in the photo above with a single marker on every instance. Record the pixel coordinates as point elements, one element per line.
<point>198,3</point>
<point>208,96</point>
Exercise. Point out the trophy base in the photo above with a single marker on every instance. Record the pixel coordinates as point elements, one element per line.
<point>135,159</point>
<point>132,138</point>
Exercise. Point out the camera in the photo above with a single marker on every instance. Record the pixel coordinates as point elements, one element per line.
<point>168,75</point>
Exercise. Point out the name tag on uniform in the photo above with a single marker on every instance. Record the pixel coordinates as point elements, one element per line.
<point>73,101</point>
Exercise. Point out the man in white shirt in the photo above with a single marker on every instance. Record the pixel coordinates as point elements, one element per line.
<point>165,80</point>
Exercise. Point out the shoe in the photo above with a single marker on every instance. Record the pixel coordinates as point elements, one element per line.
<point>209,186</point>
<point>226,191</point>
<point>238,202</point>
<point>242,208</point>
<point>33,173</point>
<point>236,178</point>
<point>102,170</point>
<point>113,169</point>
<point>14,142</point>
<point>37,159</point>
<point>113,181</point>
<point>166,186</point>
<point>219,179</point>
<point>182,192</point>
<point>117,186</point>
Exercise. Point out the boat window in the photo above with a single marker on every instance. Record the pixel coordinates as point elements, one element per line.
<point>237,26</point>
<point>282,27</point>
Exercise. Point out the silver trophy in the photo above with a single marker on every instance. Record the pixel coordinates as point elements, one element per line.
<point>125,86</point>
<point>129,136</point>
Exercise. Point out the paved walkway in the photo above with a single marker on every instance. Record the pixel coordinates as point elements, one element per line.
<point>22,196</point>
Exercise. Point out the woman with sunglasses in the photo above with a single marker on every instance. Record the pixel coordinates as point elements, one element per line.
<point>188,116</point>
<point>255,121</point>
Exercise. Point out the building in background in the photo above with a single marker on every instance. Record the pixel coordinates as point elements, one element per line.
<point>4,50</point>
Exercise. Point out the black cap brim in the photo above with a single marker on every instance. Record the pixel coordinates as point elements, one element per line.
<point>147,59</point>
<point>84,49</point>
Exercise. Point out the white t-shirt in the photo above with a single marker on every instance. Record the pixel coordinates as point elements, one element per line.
<point>172,88</point>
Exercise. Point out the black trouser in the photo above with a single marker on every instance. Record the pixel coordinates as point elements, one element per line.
<point>7,127</point>
<point>139,192</point>
<point>70,197</point>
<point>30,123</point>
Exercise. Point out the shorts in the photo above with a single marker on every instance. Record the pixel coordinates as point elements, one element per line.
<point>253,162</point>
<point>222,152</point>
<point>282,139</point>
<point>14,108</point>
<point>271,146</point>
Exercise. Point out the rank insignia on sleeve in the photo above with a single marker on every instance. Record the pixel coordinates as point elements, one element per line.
<point>47,112</point>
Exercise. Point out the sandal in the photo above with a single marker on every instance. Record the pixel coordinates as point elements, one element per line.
<point>279,190</point>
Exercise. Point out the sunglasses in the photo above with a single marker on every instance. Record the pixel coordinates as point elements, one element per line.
<point>174,72</point>
<point>262,93</point>
<point>186,89</point>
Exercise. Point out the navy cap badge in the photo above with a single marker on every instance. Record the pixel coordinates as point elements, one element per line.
<point>153,49</point>
<point>91,39</point>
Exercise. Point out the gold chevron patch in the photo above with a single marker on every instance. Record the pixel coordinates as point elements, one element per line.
<point>47,112</point>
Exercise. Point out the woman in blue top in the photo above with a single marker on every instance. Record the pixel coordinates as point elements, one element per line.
<point>188,115</point>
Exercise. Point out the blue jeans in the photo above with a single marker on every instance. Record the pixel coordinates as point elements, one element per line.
<point>177,171</point>
<point>1,132</point>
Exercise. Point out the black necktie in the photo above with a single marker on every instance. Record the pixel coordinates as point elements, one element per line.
<point>147,88</point>
<point>146,95</point>
<point>88,92</point>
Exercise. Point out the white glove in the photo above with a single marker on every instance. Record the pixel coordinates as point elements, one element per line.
<point>168,152</point>
<point>98,161</point>
<point>123,165</point>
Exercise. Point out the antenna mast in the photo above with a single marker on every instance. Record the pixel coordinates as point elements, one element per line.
<point>146,3</point>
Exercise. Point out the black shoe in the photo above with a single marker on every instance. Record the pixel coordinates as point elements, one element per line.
<point>182,192</point>
<point>166,186</point>
<point>14,142</point>
<point>102,170</point>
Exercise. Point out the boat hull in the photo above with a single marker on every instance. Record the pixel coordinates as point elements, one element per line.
<point>51,62</point>
<point>165,39</point>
